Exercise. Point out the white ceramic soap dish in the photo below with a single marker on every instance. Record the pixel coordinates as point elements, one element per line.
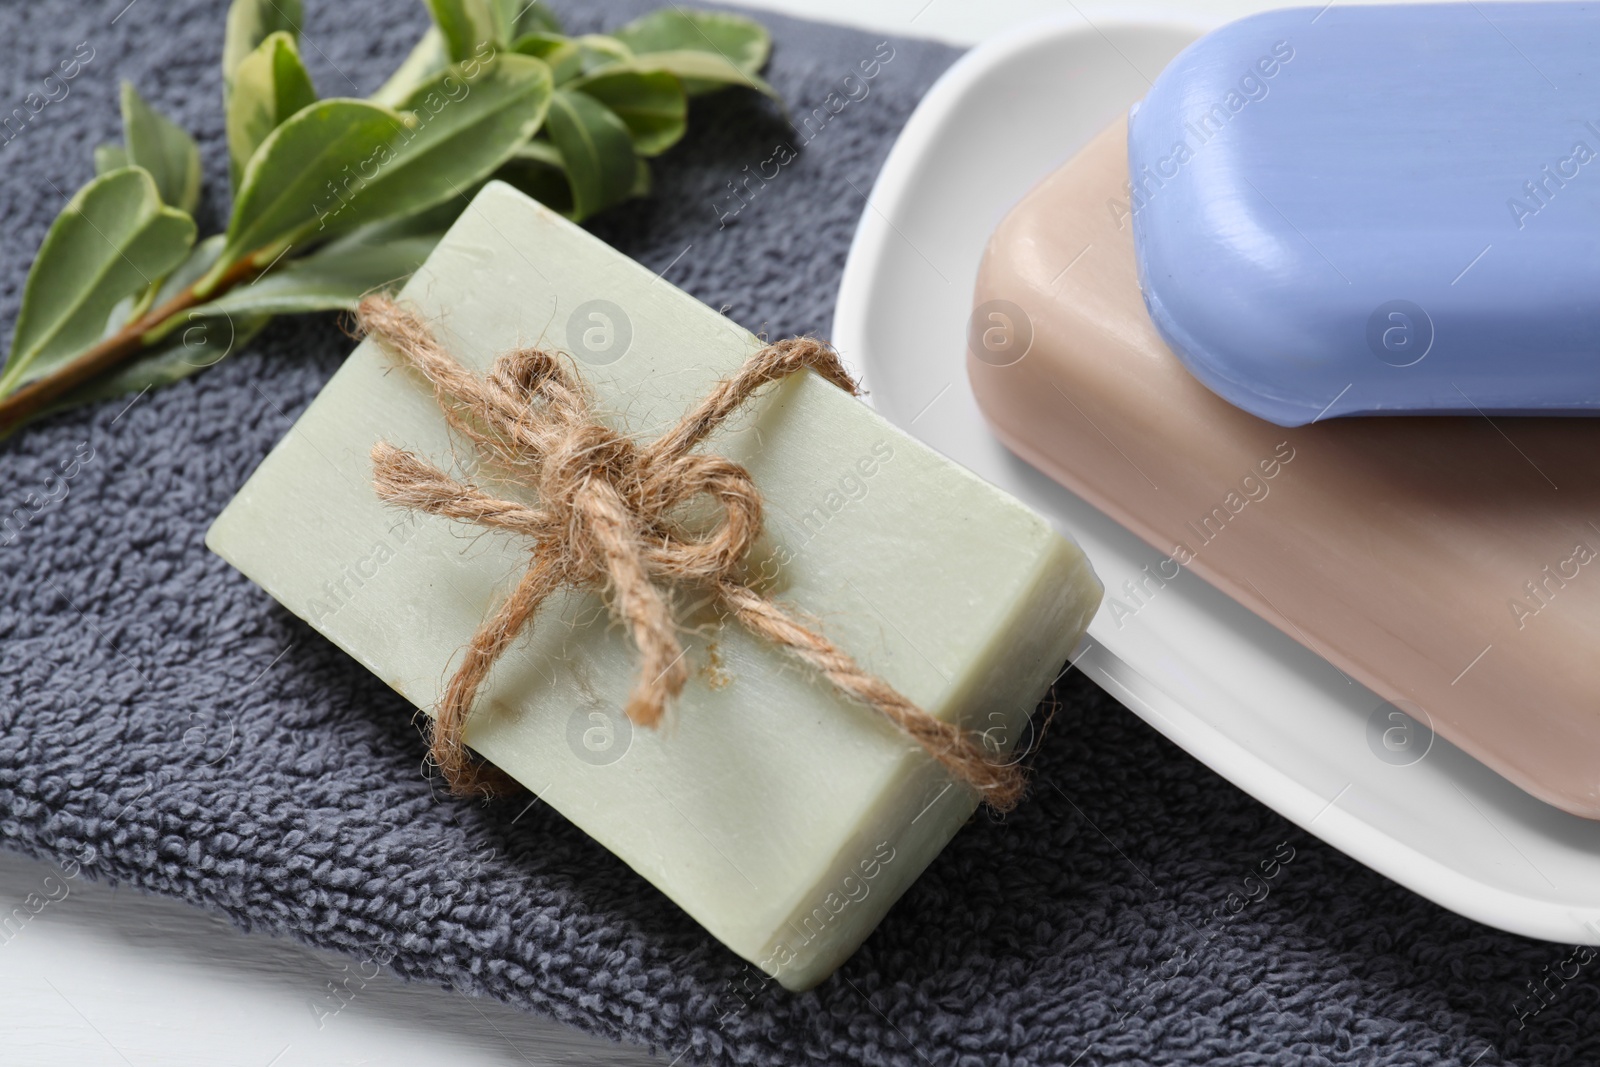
<point>1264,712</point>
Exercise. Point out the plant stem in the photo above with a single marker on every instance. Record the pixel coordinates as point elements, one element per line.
<point>112,352</point>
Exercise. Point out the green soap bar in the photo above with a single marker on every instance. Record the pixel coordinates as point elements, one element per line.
<point>782,817</point>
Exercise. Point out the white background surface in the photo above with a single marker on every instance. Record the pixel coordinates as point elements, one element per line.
<point>104,976</point>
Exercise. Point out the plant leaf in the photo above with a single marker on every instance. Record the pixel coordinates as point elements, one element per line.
<point>163,148</point>
<point>340,164</point>
<point>596,52</point>
<point>528,18</point>
<point>537,170</point>
<point>540,151</point>
<point>463,29</point>
<point>109,157</point>
<point>742,43</point>
<point>112,239</point>
<point>332,278</point>
<point>491,107</point>
<point>466,25</point>
<point>201,258</point>
<point>652,104</point>
<point>249,23</point>
<point>268,86</point>
<point>194,265</point>
<point>201,337</point>
<point>287,191</point>
<point>702,72</point>
<point>562,54</point>
<point>570,57</point>
<point>596,152</point>
<point>201,342</point>
<point>428,57</point>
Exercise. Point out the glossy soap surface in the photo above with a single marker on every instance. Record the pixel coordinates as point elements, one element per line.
<point>1378,210</point>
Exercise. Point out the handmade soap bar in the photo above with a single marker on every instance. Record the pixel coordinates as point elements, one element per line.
<point>1353,210</point>
<point>1453,563</point>
<point>783,818</point>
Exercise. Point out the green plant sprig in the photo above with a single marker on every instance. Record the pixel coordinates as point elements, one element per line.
<point>337,198</point>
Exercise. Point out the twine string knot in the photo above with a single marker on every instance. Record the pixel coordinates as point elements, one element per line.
<point>611,516</point>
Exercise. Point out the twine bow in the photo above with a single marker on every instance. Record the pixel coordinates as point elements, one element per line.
<point>608,518</point>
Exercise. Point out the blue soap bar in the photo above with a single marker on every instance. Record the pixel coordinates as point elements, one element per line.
<point>1378,210</point>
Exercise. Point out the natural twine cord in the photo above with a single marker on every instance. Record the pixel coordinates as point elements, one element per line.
<point>606,520</point>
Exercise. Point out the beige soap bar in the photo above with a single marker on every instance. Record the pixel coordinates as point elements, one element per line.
<point>1446,563</point>
<point>783,818</point>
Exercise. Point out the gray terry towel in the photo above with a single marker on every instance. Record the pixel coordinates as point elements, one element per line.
<point>167,724</point>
